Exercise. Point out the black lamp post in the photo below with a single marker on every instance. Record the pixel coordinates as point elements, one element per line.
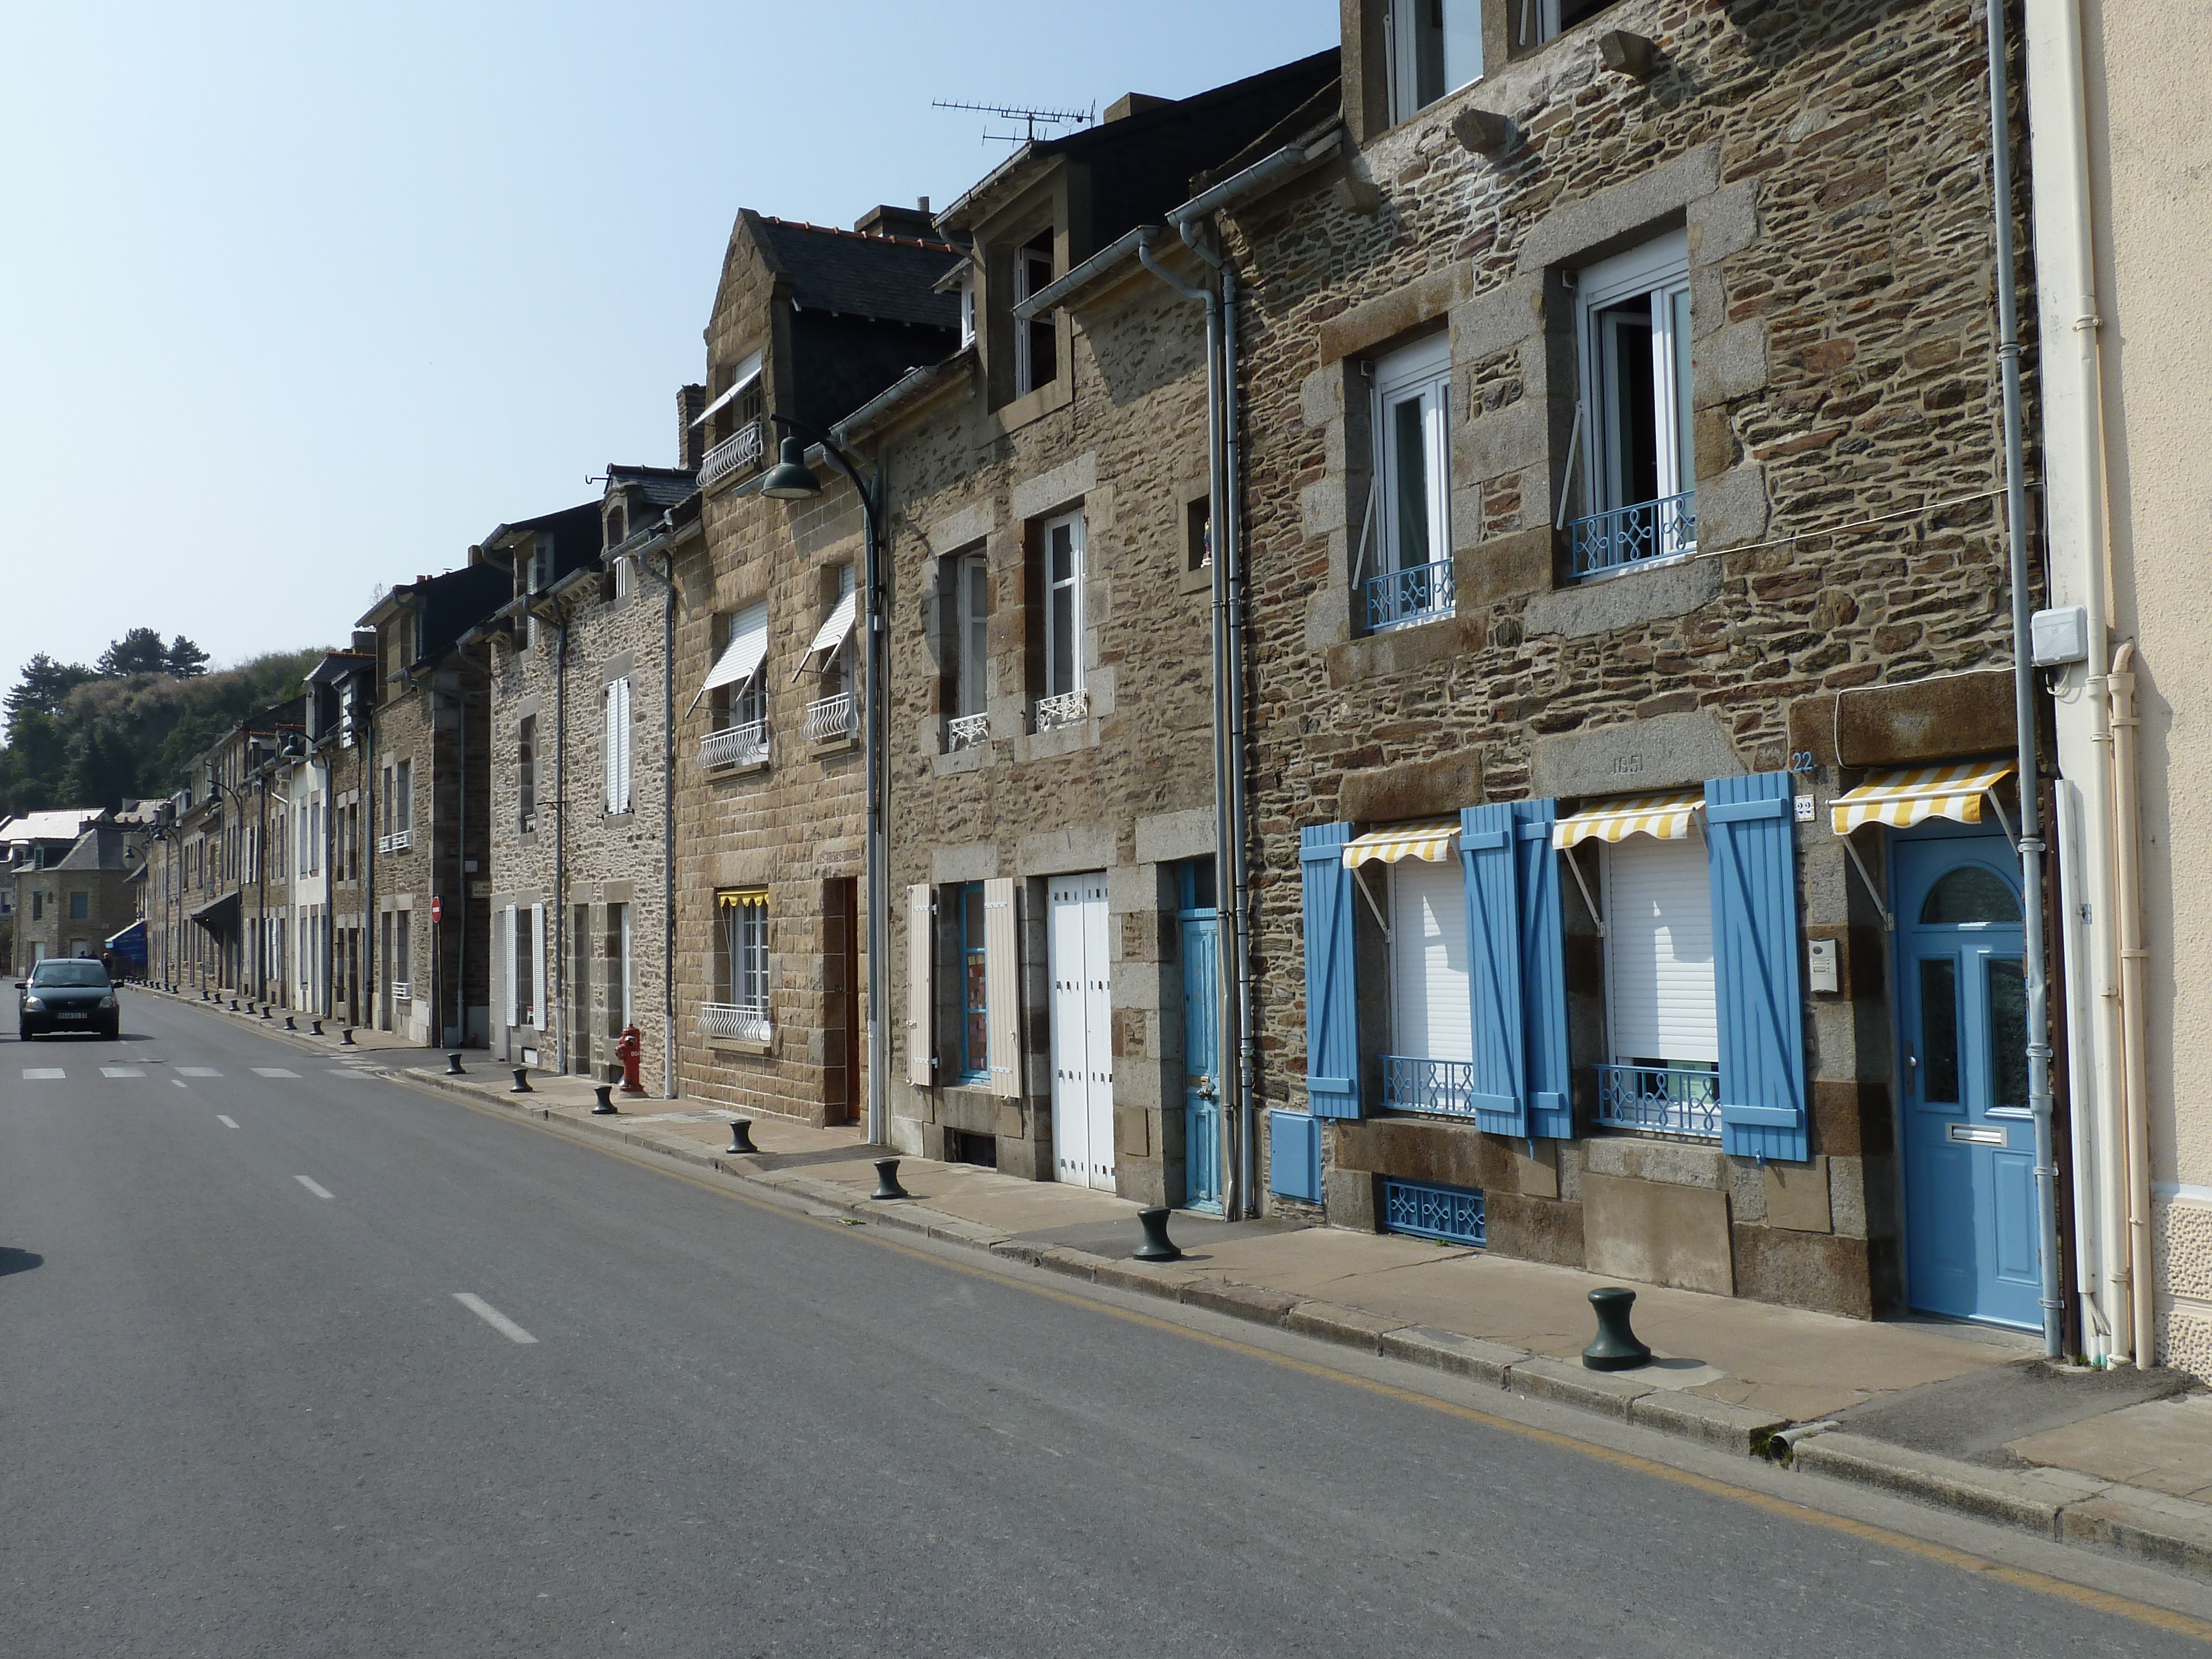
<point>791,480</point>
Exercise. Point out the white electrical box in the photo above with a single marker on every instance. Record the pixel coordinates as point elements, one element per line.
<point>2056,638</point>
<point>1824,957</point>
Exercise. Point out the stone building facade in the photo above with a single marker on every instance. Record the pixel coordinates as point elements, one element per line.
<point>424,803</point>
<point>1052,829</point>
<point>1622,434</point>
<point>808,323</point>
<point>341,699</point>
<point>578,826</point>
<point>71,893</point>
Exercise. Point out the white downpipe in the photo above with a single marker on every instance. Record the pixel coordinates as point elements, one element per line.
<point>2074,484</point>
<point>2127,903</point>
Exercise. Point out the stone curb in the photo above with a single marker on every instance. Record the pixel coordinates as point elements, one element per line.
<point>2058,1504</point>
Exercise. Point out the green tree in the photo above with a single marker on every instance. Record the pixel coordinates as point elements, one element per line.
<point>40,691</point>
<point>138,652</point>
<point>186,661</point>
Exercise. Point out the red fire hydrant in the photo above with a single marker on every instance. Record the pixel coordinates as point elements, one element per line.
<point>628,1050</point>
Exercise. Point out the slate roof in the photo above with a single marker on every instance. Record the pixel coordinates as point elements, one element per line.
<point>660,486</point>
<point>101,848</point>
<point>886,277</point>
<point>66,823</point>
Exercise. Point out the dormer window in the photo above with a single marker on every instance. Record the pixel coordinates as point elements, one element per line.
<point>617,524</point>
<point>1436,47</point>
<point>1036,342</point>
<point>967,309</point>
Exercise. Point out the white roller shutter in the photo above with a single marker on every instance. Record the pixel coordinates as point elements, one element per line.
<point>508,931</point>
<point>1428,961</point>
<point>1659,951</point>
<point>1002,985</point>
<point>538,997</point>
<point>920,988</point>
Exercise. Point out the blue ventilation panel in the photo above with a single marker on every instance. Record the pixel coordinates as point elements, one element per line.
<point>1452,1214</point>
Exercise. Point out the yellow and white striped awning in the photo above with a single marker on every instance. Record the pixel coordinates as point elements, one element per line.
<point>1901,800</point>
<point>1665,818</point>
<point>1431,842</point>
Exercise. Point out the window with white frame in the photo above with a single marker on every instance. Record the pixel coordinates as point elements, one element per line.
<point>1036,342</point>
<point>971,645</point>
<point>1431,1032</point>
<point>1403,571</point>
<point>1060,546</point>
<point>525,773</point>
<point>1538,20</point>
<point>741,1005</point>
<point>403,785</point>
<point>616,744</point>
<point>968,307</point>
<point>1634,481</point>
<point>1663,1022</point>
<point>736,687</point>
<point>1435,47</point>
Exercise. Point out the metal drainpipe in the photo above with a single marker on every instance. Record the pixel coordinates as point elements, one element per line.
<point>2135,1079</point>
<point>460,859</point>
<point>2023,673</point>
<point>1225,841</point>
<point>1229,565</point>
<point>555,967</point>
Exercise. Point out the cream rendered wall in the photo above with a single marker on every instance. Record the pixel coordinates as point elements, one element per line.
<point>2150,159</point>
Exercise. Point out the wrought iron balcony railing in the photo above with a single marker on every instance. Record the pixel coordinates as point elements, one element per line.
<point>402,990</point>
<point>399,841</point>
<point>1068,708</point>
<point>828,718</point>
<point>1622,536</point>
<point>740,452</point>
<point>734,745</point>
<point>967,731</point>
<point>1675,1100</point>
<point>1396,597</point>
<point>1412,1085</point>
<point>747,1022</point>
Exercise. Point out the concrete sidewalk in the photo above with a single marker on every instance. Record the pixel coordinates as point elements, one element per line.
<point>1962,1416</point>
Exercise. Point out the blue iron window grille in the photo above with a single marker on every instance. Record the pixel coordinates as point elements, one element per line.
<point>974,1003</point>
<point>1679,1100</point>
<point>1410,1085</point>
<point>1398,596</point>
<point>1453,1214</point>
<point>1623,536</point>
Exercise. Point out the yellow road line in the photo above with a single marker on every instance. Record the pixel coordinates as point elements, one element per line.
<point>2141,1612</point>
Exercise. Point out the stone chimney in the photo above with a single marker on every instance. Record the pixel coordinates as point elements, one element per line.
<point>888,221</point>
<point>690,437</point>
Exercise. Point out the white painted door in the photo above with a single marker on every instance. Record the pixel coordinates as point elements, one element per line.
<point>1082,1045</point>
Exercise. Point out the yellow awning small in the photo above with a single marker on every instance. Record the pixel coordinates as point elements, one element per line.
<point>1665,818</point>
<point>1901,800</point>
<point>1430,843</point>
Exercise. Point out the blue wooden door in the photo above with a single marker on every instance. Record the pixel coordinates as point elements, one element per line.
<point>1201,1048</point>
<point>1971,1244</point>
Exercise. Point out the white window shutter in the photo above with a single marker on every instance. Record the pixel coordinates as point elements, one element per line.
<point>611,746</point>
<point>920,989</point>
<point>622,732</point>
<point>1002,985</point>
<point>508,932</point>
<point>537,966</point>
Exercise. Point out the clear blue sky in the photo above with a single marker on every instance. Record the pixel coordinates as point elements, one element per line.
<point>297,300</point>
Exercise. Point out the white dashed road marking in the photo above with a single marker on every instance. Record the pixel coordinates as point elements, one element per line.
<point>273,1070</point>
<point>318,1190</point>
<point>197,1071</point>
<point>41,1073</point>
<point>178,1082</point>
<point>121,1070</point>
<point>232,1123</point>
<point>493,1317</point>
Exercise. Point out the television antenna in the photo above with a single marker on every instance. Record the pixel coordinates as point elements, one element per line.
<point>1031,118</point>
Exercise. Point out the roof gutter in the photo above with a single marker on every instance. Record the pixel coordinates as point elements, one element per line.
<point>1253,179</point>
<point>911,385</point>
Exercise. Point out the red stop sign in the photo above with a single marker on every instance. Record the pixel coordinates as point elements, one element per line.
<point>437,909</point>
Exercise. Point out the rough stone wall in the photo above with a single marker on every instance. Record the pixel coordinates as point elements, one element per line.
<point>1830,163</point>
<point>1128,790</point>
<point>791,827</point>
<point>403,879</point>
<point>349,883</point>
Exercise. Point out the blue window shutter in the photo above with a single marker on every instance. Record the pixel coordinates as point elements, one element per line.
<point>1332,996</point>
<point>1543,972</point>
<point>1294,1155</point>
<point>1488,844</point>
<point>1755,974</point>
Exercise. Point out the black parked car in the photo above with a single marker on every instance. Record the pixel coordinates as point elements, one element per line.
<point>67,994</point>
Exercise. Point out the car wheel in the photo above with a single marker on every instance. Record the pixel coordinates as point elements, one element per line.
<point>112,1033</point>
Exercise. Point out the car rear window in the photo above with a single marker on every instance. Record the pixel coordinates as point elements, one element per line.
<point>68,973</point>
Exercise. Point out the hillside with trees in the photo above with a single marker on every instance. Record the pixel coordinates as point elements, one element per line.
<point>125,728</point>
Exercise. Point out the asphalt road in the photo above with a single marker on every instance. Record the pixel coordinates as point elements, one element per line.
<point>245,1412</point>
